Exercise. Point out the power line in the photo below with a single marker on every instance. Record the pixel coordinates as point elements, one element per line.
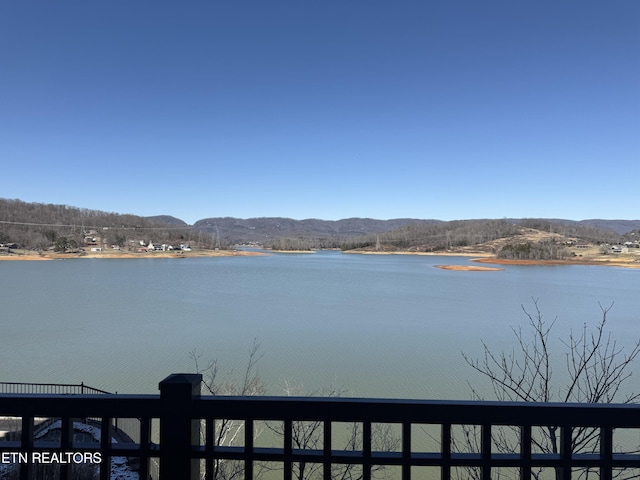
<point>32,224</point>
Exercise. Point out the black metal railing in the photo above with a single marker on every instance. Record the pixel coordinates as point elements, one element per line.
<point>181,432</point>
<point>49,388</point>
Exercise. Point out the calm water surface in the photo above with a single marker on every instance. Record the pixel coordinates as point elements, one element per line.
<point>386,326</point>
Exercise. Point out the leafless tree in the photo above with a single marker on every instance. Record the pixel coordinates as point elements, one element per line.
<point>229,432</point>
<point>305,435</point>
<point>308,436</point>
<point>596,368</point>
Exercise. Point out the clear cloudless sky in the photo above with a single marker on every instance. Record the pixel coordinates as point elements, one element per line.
<point>325,109</point>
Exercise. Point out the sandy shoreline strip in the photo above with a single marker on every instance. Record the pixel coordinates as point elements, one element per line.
<point>604,260</point>
<point>33,256</point>
<point>468,268</point>
<point>426,254</point>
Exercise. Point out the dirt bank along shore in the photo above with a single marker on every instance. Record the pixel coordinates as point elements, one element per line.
<point>30,255</point>
<point>468,268</point>
<point>604,260</point>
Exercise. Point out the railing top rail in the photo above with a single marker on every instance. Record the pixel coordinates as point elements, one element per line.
<point>87,405</point>
<point>342,402</point>
<point>418,411</point>
<point>408,401</point>
<point>333,409</point>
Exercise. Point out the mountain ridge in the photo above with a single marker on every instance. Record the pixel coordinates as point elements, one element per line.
<point>37,225</point>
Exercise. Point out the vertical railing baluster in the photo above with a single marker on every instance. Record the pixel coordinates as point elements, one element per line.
<point>606,453</point>
<point>445,465</point>
<point>326,450</point>
<point>485,451</point>
<point>26,445</point>
<point>525,452</point>
<point>248,449</point>
<point>566,452</point>
<point>145,446</point>
<point>288,449</point>
<point>210,431</point>
<point>406,450</point>
<point>66,441</point>
<point>106,433</point>
<point>366,450</point>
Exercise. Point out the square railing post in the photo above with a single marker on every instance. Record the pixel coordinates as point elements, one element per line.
<point>27,445</point>
<point>179,432</point>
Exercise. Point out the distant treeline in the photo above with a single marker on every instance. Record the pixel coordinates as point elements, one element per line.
<point>421,237</point>
<point>443,236</point>
<point>41,226</point>
<point>463,233</point>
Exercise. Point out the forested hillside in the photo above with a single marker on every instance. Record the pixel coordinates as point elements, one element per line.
<point>46,226</point>
<point>289,234</point>
<point>436,237</point>
<point>42,226</point>
<point>514,239</point>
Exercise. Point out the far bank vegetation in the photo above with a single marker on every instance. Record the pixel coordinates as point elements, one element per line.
<point>428,237</point>
<point>528,239</point>
<point>40,227</point>
<point>61,228</point>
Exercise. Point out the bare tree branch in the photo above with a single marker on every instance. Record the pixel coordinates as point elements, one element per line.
<point>228,432</point>
<point>596,371</point>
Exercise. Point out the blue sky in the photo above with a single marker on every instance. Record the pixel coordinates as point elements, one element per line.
<point>323,109</point>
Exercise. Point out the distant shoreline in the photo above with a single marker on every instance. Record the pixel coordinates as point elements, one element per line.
<point>115,254</point>
<point>625,261</point>
<point>468,268</point>
<point>604,260</point>
<point>622,260</point>
<point>429,254</point>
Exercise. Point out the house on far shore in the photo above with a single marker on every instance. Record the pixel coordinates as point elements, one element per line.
<point>5,248</point>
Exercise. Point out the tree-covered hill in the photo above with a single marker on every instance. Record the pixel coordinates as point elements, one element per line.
<point>300,234</point>
<point>533,239</point>
<point>43,226</point>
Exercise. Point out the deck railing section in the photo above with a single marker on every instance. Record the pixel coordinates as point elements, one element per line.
<point>189,428</point>
<point>49,388</point>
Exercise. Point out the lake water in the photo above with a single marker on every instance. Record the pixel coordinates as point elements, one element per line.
<point>381,326</point>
